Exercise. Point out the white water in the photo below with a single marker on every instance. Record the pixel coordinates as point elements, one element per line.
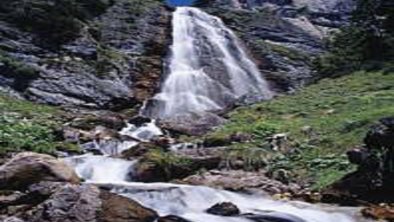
<point>191,202</point>
<point>101,169</point>
<point>191,88</point>
<point>144,133</point>
<point>192,84</point>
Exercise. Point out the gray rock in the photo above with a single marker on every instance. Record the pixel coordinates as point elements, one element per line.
<point>29,168</point>
<point>106,66</point>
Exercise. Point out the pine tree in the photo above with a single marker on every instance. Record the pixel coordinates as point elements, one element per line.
<point>368,42</point>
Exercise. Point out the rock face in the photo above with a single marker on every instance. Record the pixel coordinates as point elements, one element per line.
<point>373,181</point>
<point>283,36</point>
<point>110,60</point>
<point>29,168</point>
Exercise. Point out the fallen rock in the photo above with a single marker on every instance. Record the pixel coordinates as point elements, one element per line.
<point>28,168</point>
<point>224,209</point>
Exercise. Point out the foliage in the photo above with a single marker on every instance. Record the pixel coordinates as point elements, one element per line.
<point>367,43</point>
<point>167,162</point>
<point>17,135</point>
<point>55,21</point>
<point>27,126</point>
<point>322,121</point>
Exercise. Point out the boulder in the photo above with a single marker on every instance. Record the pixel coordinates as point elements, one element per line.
<point>29,168</point>
<point>224,209</point>
<point>373,181</point>
<point>121,209</point>
<point>87,203</point>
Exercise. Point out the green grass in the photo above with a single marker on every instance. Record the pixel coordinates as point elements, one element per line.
<point>337,112</point>
<point>25,126</point>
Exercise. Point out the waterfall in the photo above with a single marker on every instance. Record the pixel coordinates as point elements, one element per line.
<point>208,69</point>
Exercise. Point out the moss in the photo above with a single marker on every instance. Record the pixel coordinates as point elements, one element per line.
<point>322,121</point>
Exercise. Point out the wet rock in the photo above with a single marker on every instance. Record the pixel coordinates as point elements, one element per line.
<point>194,124</point>
<point>240,180</point>
<point>224,209</point>
<point>172,218</point>
<point>29,168</point>
<point>122,209</point>
<point>174,166</point>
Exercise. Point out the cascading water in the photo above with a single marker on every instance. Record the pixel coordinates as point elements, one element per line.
<point>191,202</point>
<point>208,69</point>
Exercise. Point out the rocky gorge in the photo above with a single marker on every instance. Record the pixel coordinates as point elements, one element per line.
<point>145,112</point>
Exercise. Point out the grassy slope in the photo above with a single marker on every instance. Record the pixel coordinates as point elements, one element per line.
<point>338,112</point>
<point>27,126</point>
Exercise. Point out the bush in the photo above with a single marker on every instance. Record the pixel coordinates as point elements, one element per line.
<point>17,135</point>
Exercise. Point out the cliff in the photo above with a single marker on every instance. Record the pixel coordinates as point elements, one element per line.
<point>96,54</point>
<point>284,36</point>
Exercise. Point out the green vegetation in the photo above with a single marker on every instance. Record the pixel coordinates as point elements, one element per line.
<point>166,160</point>
<point>16,68</point>
<point>54,21</point>
<point>25,126</point>
<point>322,121</point>
<point>367,43</point>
